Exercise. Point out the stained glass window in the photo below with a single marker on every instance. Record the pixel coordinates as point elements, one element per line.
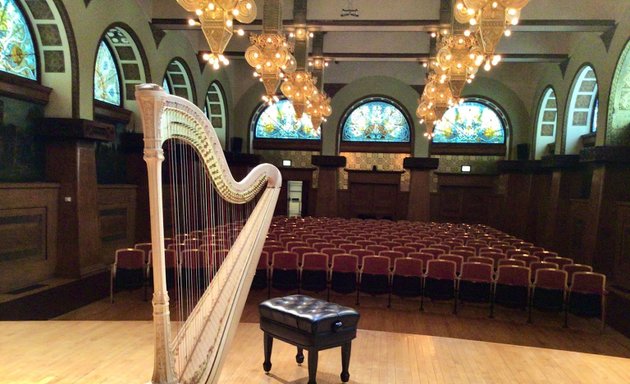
<point>16,44</point>
<point>595,113</point>
<point>215,106</point>
<point>470,122</point>
<point>377,120</point>
<point>278,121</point>
<point>106,78</point>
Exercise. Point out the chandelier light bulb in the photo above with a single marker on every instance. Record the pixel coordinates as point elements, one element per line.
<point>211,6</point>
<point>192,22</point>
<point>240,32</point>
<point>229,23</point>
<point>235,12</point>
<point>515,21</point>
<point>467,32</point>
<point>433,35</point>
<point>473,21</point>
<point>487,66</point>
<point>507,33</point>
<point>248,5</point>
<point>459,6</point>
<point>198,12</point>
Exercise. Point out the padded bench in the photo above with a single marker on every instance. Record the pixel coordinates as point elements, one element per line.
<point>310,324</point>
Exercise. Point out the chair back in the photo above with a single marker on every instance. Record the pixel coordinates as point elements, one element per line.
<point>573,268</point>
<point>519,263</point>
<point>332,252</point>
<point>481,259</point>
<point>551,279</point>
<point>146,248</point>
<point>286,260</point>
<point>392,243</point>
<point>345,263</point>
<point>589,282</point>
<point>545,254</point>
<point>510,253</point>
<point>463,253</point>
<point>404,249</point>
<point>364,243</point>
<point>513,275</point>
<point>528,259</point>
<point>375,265</point>
<point>315,261</point>
<point>408,267</point>
<point>290,245</point>
<point>536,265</point>
<point>314,240</point>
<point>193,259</point>
<point>441,269</point>
<point>458,260</point>
<point>446,248</point>
<point>129,258</point>
<point>561,261</point>
<point>338,242</point>
<point>434,251</point>
<point>170,258</point>
<point>425,257</point>
<point>321,245</point>
<point>477,272</point>
<point>417,245</point>
<point>349,247</point>
<point>377,248</point>
<point>271,249</point>
<point>263,261</point>
<point>532,249</point>
<point>392,255</point>
<point>301,251</point>
<point>505,247</point>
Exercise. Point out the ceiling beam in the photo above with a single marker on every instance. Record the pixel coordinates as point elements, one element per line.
<point>581,25</point>
<point>420,57</point>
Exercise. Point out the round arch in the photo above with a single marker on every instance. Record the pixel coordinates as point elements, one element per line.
<point>546,123</point>
<point>179,79</point>
<point>130,57</point>
<point>215,107</point>
<point>618,119</point>
<point>581,109</point>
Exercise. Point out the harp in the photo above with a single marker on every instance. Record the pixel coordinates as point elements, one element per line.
<point>217,229</point>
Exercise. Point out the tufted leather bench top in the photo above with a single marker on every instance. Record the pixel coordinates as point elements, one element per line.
<point>308,314</point>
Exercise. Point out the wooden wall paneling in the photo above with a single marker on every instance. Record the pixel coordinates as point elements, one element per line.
<point>519,186</point>
<point>117,215</point>
<point>419,199</point>
<point>373,194</point>
<point>136,170</point>
<point>464,198</point>
<point>539,206</point>
<point>28,229</point>
<point>577,223</point>
<point>327,203</point>
<point>621,275</point>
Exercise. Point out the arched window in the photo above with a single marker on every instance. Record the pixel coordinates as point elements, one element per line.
<point>215,106</point>
<point>582,109</point>
<point>376,120</point>
<point>166,86</point>
<point>618,111</point>
<point>546,122</point>
<point>178,81</point>
<point>106,76</point>
<point>18,49</point>
<point>474,126</point>
<point>278,121</point>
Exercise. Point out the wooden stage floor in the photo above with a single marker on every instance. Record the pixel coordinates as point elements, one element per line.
<point>121,352</point>
<point>113,343</point>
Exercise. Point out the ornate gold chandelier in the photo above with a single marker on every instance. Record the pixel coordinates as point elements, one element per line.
<point>298,87</point>
<point>489,21</point>
<point>270,53</point>
<point>456,61</point>
<point>216,18</point>
<point>318,108</point>
<point>435,100</point>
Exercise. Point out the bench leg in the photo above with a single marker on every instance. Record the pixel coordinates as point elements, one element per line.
<point>268,344</point>
<point>312,366</point>
<point>299,358</point>
<point>345,362</point>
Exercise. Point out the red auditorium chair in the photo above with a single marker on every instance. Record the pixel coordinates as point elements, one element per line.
<point>434,251</point>
<point>405,250</point>
<point>391,244</point>
<point>587,296</point>
<point>290,245</point>
<point>321,245</point>
<point>301,251</point>
<point>417,245</point>
<point>572,268</point>
<point>548,291</point>
<point>512,286</point>
<point>344,274</point>
<point>561,261</point>
<point>425,257</point>
<point>458,260</point>
<point>375,276</point>
<point>284,273</point>
<point>377,248</point>
<point>440,282</point>
<point>361,254</point>
<point>463,253</point>
<point>407,277</point>
<point>518,263</point>
<point>392,256</point>
<point>544,254</point>
<point>314,272</point>
<point>475,283</point>
<point>332,252</point>
<point>365,243</point>
<point>128,271</point>
<point>349,247</point>
<point>481,259</point>
<point>444,247</point>
<point>261,278</point>
<point>536,265</point>
<point>528,259</point>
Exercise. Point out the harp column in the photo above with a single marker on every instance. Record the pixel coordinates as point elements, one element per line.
<point>163,368</point>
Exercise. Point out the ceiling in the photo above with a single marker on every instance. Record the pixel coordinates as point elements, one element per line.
<point>400,33</point>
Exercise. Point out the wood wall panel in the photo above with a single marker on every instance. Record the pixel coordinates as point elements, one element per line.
<point>116,217</point>
<point>579,217</point>
<point>28,229</point>
<point>621,276</point>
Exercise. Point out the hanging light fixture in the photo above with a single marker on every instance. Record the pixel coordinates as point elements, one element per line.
<point>270,53</point>
<point>457,60</point>
<point>298,87</point>
<point>216,18</point>
<point>318,108</point>
<point>489,20</point>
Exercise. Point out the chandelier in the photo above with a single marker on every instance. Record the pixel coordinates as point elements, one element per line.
<point>216,18</point>
<point>456,61</point>
<point>435,100</point>
<point>318,108</point>
<point>298,87</point>
<point>270,53</point>
<point>489,20</point>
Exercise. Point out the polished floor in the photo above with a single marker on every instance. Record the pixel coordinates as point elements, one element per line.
<point>112,343</point>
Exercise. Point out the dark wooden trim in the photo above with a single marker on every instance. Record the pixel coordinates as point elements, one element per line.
<point>111,113</point>
<point>467,149</point>
<point>294,145</point>
<point>421,163</point>
<point>520,166</point>
<point>24,89</point>
<point>77,129</point>
<point>328,161</point>
<point>561,161</point>
<point>347,146</point>
<point>233,158</point>
<point>588,139</point>
<point>606,154</point>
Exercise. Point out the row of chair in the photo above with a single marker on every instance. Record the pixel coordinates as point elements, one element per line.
<point>512,285</point>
